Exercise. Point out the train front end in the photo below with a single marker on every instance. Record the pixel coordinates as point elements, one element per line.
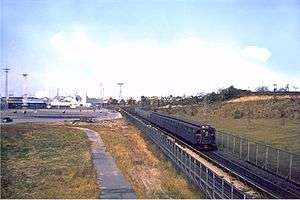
<point>206,138</point>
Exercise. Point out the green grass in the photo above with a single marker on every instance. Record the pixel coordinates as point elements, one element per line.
<point>274,122</point>
<point>281,133</point>
<point>44,161</point>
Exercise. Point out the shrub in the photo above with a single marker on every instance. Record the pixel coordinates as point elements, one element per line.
<point>237,114</point>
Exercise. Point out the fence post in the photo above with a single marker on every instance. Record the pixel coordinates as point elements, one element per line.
<point>190,164</point>
<point>233,145</point>
<point>248,150</point>
<point>223,188</point>
<point>277,162</point>
<point>214,185</point>
<point>222,140</point>
<point>228,149</point>
<point>194,171</point>
<point>291,163</point>
<point>241,147</point>
<point>266,159</point>
<point>231,192</point>
<point>200,171</point>
<point>256,152</point>
<point>206,182</point>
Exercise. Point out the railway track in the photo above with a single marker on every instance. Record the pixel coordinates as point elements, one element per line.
<point>271,185</point>
<point>199,173</point>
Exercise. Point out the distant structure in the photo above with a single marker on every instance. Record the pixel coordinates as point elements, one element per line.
<point>120,93</point>
<point>101,94</point>
<point>6,86</point>
<point>25,94</point>
<point>275,87</point>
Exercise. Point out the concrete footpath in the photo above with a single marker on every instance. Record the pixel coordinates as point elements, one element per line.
<point>113,184</point>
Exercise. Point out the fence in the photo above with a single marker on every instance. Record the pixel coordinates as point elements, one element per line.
<point>282,163</point>
<point>213,185</point>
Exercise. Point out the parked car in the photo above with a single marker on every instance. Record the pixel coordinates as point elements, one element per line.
<point>6,120</point>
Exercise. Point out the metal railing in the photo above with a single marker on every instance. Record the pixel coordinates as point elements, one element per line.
<point>210,183</point>
<point>282,163</point>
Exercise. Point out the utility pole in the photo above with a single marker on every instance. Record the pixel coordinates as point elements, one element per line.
<point>120,92</point>
<point>101,94</point>
<point>6,86</point>
<point>25,94</point>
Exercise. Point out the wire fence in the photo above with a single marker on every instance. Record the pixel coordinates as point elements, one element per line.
<point>210,183</point>
<point>282,163</point>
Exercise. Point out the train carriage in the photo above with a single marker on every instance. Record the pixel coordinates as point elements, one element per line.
<point>200,136</point>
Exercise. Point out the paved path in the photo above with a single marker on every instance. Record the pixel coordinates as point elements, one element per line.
<point>113,184</point>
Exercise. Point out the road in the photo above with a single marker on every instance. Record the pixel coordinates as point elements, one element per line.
<point>58,115</point>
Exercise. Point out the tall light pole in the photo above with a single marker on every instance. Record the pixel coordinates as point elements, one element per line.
<point>6,86</point>
<point>25,95</point>
<point>120,92</point>
<point>101,94</point>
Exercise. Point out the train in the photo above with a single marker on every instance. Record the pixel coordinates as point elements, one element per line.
<point>200,136</point>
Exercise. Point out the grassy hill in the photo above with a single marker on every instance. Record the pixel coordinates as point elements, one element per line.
<point>272,120</point>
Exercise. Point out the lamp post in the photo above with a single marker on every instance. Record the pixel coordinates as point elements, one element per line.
<point>6,86</point>
<point>25,95</point>
<point>120,92</point>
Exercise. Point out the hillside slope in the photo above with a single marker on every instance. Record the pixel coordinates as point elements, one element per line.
<point>272,121</point>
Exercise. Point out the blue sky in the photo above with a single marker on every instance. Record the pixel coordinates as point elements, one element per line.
<point>60,43</point>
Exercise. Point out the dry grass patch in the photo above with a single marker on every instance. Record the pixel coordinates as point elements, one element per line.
<point>150,173</point>
<point>46,161</point>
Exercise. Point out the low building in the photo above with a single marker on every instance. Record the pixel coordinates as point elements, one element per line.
<point>68,102</point>
<point>95,102</point>
<point>20,102</point>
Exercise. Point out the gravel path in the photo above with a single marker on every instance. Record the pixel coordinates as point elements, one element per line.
<point>113,184</point>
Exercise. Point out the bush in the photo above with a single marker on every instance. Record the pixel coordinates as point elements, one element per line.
<point>237,114</point>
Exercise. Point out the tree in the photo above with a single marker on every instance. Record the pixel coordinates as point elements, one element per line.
<point>275,87</point>
<point>282,89</point>
<point>211,98</point>
<point>287,87</point>
<point>122,102</point>
<point>145,101</point>
<point>112,101</point>
<point>262,89</point>
<point>229,93</point>
<point>131,101</point>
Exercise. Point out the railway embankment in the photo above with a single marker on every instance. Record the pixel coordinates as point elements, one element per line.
<point>142,163</point>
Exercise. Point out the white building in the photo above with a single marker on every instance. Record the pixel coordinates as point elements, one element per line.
<point>68,102</point>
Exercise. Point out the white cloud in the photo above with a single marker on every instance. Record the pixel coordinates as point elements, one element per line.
<point>184,66</point>
<point>256,53</point>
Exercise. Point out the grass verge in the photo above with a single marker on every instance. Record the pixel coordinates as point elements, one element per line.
<point>143,164</point>
<point>46,161</point>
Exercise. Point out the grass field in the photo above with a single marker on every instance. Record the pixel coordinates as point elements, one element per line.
<point>149,172</point>
<point>46,161</point>
<point>279,133</point>
<point>273,121</point>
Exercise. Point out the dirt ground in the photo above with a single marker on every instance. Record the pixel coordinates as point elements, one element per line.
<point>149,172</point>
